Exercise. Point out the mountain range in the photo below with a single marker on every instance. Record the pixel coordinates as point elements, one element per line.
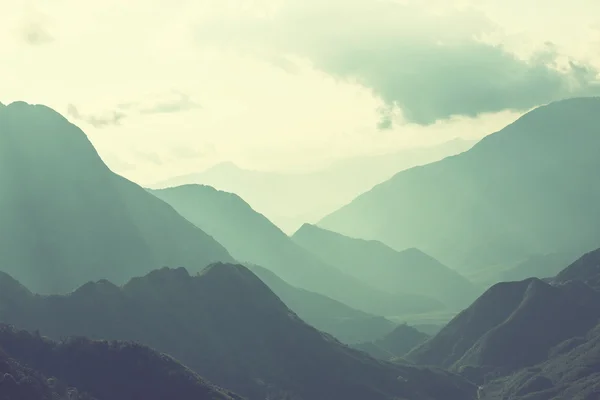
<point>287,198</point>
<point>525,190</point>
<point>66,219</point>
<point>226,325</point>
<point>252,238</point>
<point>408,271</point>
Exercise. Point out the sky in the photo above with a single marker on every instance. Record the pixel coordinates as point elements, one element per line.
<point>169,87</point>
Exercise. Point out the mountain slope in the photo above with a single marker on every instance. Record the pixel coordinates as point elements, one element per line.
<point>107,370</point>
<point>344,323</point>
<point>585,269</point>
<point>511,326</point>
<point>252,238</point>
<point>65,218</point>
<point>571,372</point>
<point>229,327</point>
<point>410,271</point>
<point>395,344</point>
<point>521,191</point>
<point>288,198</point>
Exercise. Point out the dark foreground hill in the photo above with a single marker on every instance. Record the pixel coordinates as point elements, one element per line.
<point>251,237</point>
<point>395,344</point>
<point>571,372</point>
<point>344,323</point>
<point>66,219</point>
<point>408,271</point>
<point>527,189</point>
<point>229,327</point>
<point>515,325</point>
<point>511,326</point>
<point>106,370</point>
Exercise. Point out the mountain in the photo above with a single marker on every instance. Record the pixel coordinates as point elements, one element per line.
<point>585,269</point>
<point>252,238</point>
<point>524,190</point>
<point>571,372</point>
<point>289,199</point>
<point>511,326</point>
<point>409,271</point>
<point>395,344</point>
<point>538,266</point>
<point>106,370</point>
<point>342,322</point>
<point>571,368</point>
<point>18,382</point>
<point>226,325</point>
<point>66,219</point>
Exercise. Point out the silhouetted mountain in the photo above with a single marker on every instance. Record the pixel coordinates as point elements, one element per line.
<point>586,269</point>
<point>107,370</point>
<point>252,238</point>
<point>511,326</point>
<point>395,344</point>
<point>409,271</point>
<point>572,372</point>
<point>289,199</point>
<point>65,218</point>
<point>344,323</point>
<point>524,190</point>
<point>229,327</point>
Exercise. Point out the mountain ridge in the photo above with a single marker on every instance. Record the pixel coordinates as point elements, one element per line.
<point>63,208</point>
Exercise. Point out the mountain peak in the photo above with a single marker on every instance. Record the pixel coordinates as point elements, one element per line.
<point>12,288</point>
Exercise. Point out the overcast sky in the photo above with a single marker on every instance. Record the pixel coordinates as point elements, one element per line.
<point>167,87</point>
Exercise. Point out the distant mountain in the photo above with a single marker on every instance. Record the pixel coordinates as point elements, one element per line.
<point>65,218</point>
<point>106,370</point>
<point>395,344</point>
<point>538,266</point>
<point>408,271</point>
<point>227,325</point>
<point>511,326</point>
<point>252,238</point>
<point>339,320</point>
<point>290,199</point>
<point>527,189</point>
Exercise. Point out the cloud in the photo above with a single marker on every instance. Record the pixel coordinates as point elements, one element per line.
<point>36,34</point>
<point>172,103</point>
<point>432,64</point>
<point>110,118</point>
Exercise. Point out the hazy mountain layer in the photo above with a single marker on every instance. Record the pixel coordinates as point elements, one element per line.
<point>229,327</point>
<point>524,190</point>
<point>107,370</point>
<point>65,218</point>
<point>395,344</point>
<point>290,199</point>
<point>409,271</point>
<point>339,320</point>
<point>252,238</point>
